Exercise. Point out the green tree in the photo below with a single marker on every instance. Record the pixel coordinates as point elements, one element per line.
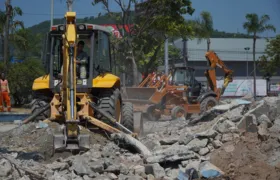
<point>255,25</point>
<point>162,19</point>
<point>21,77</point>
<point>270,62</point>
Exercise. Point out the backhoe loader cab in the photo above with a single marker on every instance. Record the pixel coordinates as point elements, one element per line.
<point>80,89</point>
<point>97,48</point>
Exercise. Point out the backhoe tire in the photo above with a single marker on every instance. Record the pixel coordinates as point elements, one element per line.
<point>38,104</point>
<point>110,102</point>
<point>128,116</point>
<point>208,103</point>
<point>152,116</point>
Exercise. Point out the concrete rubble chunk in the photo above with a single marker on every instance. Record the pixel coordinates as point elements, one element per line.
<point>196,144</point>
<point>80,166</point>
<point>152,144</point>
<point>208,170</point>
<point>172,173</point>
<point>138,169</point>
<point>58,166</point>
<point>263,131</point>
<point>208,134</point>
<point>5,168</point>
<point>203,151</point>
<point>185,139</point>
<point>248,123</point>
<point>155,169</point>
<point>24,178</point>
<point>191,164</point>
<point>227,137</point>
<point>169,140</point>
<point>225,126</point>
<point>173,153</point>
<point>217,144</point>
<point>264,119</point>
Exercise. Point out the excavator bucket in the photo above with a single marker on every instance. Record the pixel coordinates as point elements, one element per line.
<point>138,95</point>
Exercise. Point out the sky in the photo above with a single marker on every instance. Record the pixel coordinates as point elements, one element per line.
<point>228,15</point>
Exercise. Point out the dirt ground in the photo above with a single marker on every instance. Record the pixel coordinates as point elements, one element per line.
<point>248,158</point>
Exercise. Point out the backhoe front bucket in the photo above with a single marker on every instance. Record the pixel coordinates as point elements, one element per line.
<point>138,94</point>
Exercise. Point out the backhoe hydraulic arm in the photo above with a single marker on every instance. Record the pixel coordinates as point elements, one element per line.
<point>210,74</point>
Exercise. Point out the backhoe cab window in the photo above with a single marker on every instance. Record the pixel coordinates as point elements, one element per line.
<point>182,77</point>
<point>102,52</point>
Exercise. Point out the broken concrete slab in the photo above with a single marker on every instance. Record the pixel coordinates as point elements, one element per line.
<point>248,123</point>
<point>224,127</point>
<point>196,144</point>
<point>173,153</point>
<point>203,151</point>
<point>264,119</point>
<point>217,144</point>
<point>207,134</point>
<point>155,169</point>
<point>263,131</point>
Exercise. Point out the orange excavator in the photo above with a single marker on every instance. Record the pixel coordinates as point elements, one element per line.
<point>180,94</point>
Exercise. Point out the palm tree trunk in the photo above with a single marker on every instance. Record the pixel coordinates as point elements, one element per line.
<point>254,61</point>
<point>208,44</point>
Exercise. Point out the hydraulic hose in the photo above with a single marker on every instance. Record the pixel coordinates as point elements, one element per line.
<point>33,116</point>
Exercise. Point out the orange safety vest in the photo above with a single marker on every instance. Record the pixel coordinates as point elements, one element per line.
<point>4,85</point>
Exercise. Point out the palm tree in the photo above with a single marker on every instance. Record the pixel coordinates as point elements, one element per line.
<point>255,25</point>
<point>205,27</point>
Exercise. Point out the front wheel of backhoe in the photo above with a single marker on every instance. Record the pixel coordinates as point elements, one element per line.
<point>208,103</point>
<point>110,102</point>
<point>128,116</point>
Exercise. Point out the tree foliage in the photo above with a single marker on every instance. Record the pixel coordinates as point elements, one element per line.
<point>270,62</point>
<point>21,77</point>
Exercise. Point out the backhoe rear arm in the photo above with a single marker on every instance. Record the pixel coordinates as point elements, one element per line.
<point>210,74</point>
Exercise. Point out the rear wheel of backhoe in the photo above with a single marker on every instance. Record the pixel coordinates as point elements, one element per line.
<point>110,102</point>
<point>208,103</point>
<point>37,105</point>
<point>178,112</point>
<point>128,116</point>
<point>153,114</point>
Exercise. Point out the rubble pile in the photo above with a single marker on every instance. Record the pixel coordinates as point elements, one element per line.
<point>236,140</point>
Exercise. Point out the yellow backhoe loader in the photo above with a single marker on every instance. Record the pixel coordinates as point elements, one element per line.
<point>80,95</point>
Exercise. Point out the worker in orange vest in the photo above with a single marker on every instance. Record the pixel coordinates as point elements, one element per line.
<point>5,93</point>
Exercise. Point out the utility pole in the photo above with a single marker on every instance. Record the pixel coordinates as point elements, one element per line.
<point>51,14</point>
<point>166,56</point>
<point>6,37</point>
<point>184,52</point>
<point>247,49</point>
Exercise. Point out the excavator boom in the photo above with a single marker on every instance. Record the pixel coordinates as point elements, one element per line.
<point>210,74</point>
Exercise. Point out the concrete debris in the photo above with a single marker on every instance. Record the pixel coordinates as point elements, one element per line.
<point>172,154</point>
<point>196,144</point>
<point>248,123</point>
<point>170,151</point>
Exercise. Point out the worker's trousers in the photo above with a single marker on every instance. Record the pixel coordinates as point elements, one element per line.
<point>4,97</point>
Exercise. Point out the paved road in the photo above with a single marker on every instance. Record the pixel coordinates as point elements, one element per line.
<point>7,126</point>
